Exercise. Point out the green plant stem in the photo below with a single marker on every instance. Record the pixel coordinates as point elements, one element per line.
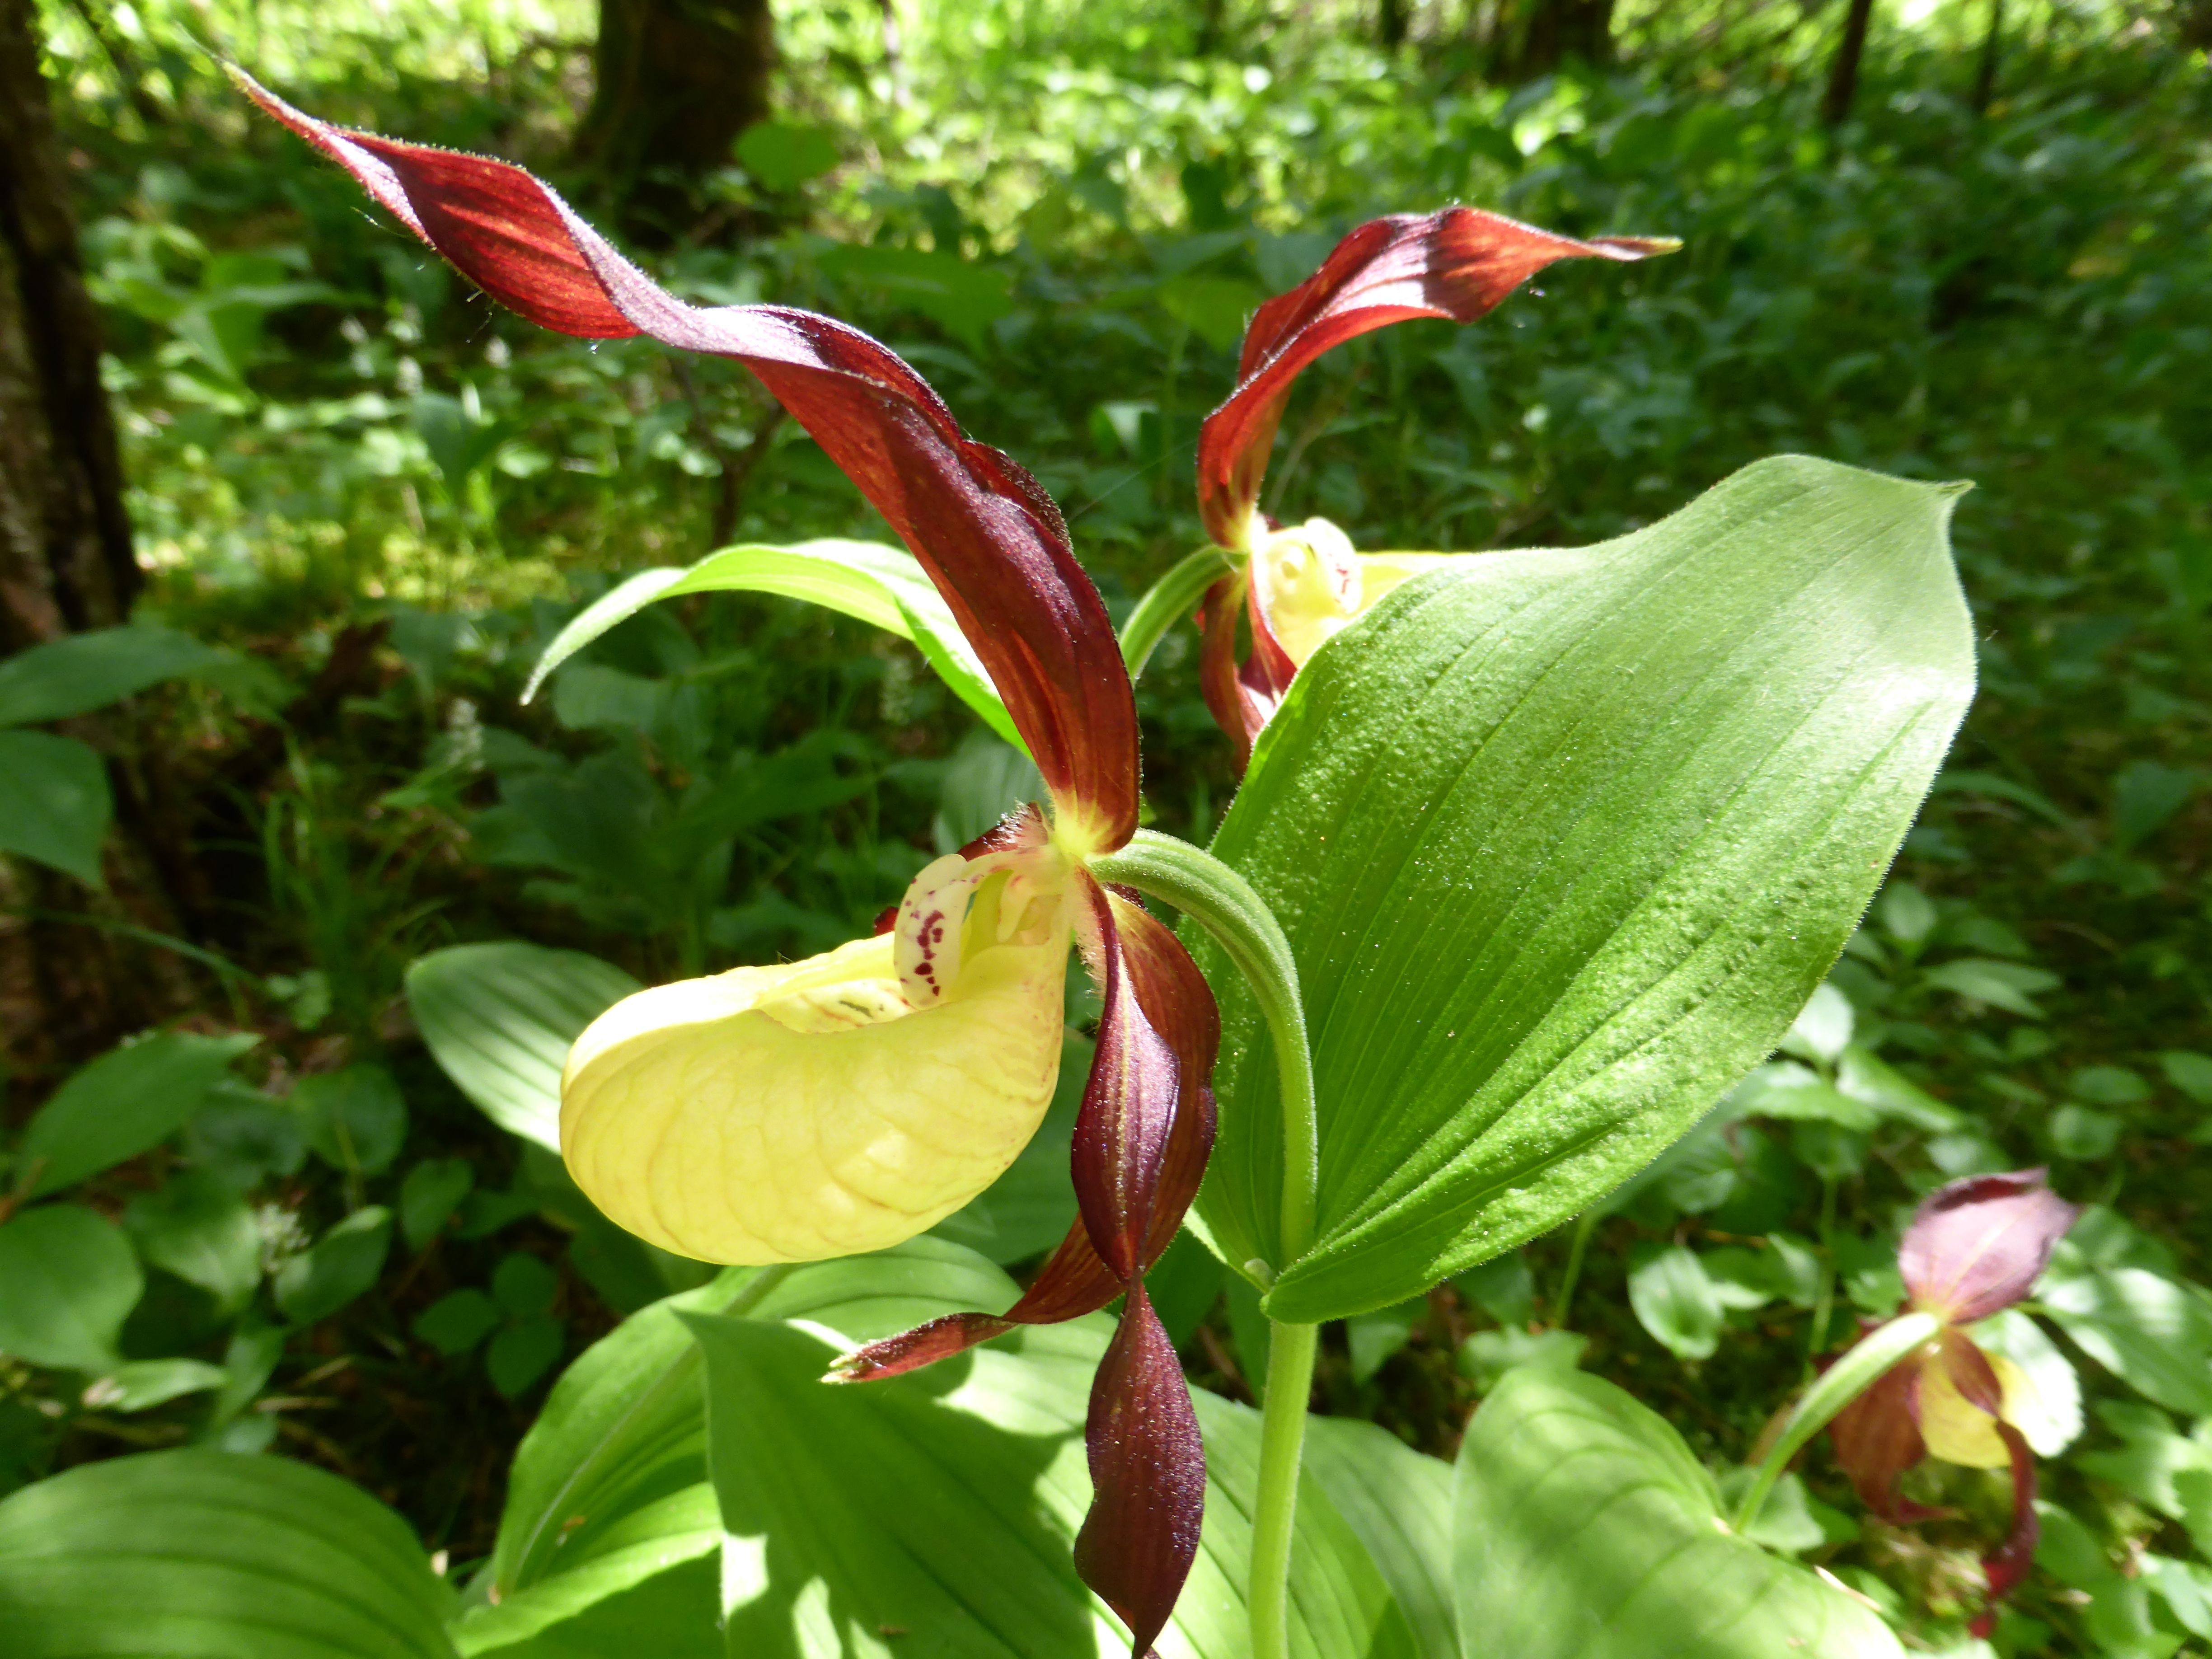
<point>1282,1444</point>
<point>1843,1381</point>
<point>1585,1225</point>
<point>1824,1300</point>
<point>1223,902</point>
<point>1169,599</point>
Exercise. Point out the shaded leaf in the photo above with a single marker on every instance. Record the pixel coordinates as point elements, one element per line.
<point>1676,1302</point>
<point>340,1266</point>
<point>1398,1502</point>
<point>80,673</point>
<point>127,1102</point>
<point>197,1227</point>
<point>499,1019</point>
<point>68,1280</point>
<point>142,1384</point>
<point>354,1119</point>
<point>57,807</point>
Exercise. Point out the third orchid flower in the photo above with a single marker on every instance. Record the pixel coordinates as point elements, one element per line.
<point>1974,1249</point>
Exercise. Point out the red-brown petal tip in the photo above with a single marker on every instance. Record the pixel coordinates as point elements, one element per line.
<point>1147,1476</point>
<point>1458,264</point>
<point>1978,1245</point>
<point>987,533</point>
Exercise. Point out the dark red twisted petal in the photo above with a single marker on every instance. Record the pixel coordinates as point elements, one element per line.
<point>1141,1142</point>
<point>1976,1379</point>
<point>1457,263</point>
<point>1240,697</point>
<point>1148,1470</point>
<point>1978,1245</point>
<point>990,538</point>
<point>1877,1439</point>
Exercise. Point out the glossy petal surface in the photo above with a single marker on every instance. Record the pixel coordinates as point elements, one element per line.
<point>808,1110</point>
<point>1457,263</point>
<point>990,538</point>
<point>1978,1245</point>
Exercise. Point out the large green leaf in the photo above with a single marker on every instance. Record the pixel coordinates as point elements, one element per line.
<point>68,1281</point>
<point>1585,1529</point>
<point>884,586</point>
<point>499,1019</point>
<point>85,672</point>
<point>933,1516</point>
<point>127,1102</point>
<point>56,806</point>
<point>1399,1502</point>
<point>1563,842</point>
<point>211,1555</point>
<point>610,1526</point>
<point>2152,1333</point>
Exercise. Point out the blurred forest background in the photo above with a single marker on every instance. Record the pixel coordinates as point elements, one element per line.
<point>344,501</point>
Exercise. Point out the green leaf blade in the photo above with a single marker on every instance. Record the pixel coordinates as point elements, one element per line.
<point>127,1102</point>
<point>212,1555</point>
<point>1585,1529</point>
<point>57,807</point>
<point>1564,841</point>
<point>499,1019</point>
<point>884,586</point>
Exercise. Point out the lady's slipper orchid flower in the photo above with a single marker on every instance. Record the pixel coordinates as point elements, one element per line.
<point>1303,582</point>
<point>1974,1249</point>
<point>844,1103</point>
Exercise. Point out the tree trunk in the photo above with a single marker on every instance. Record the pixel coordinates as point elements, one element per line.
<point>1391,22</point>
<point>677,82</point>
<point>66,564</point>
<point>1844,73</point>
<point>1537,36</point>
<point>1986,75</point>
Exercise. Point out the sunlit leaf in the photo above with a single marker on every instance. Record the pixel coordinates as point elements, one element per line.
<point>610,1526</point>
<point>1586,1529</point>
<point>882,587</point>
<point>942,1505</point>
<point>209,1555</point>
<point>1399,1502</point>
<point>1564,841</point>
<point>2153,1334</point>
<point>499,1018</point>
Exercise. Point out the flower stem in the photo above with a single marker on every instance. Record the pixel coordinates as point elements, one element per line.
<point>1584,1224</point>
<point>1823,1299</point>
<point>1282,1444</point>
<point>1223,902</point>
<point>1169,599</point>
<point>1857,1369</point>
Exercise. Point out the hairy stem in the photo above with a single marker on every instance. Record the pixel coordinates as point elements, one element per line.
<point>1834,1389</point>
<point>1282,1444</point>
<point>1169,599</point>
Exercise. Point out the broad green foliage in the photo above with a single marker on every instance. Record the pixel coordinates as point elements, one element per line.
<point>942,1508</point>
<point>607,1508</point>
<point>884,586</point>
<point>1563,841</point>
<point>68,1280</point>
<point>122,1104</point>
<point>207,1555</point>
<point>57,807</point>
<point>1586,1529</point>
<point>500,1018</point>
